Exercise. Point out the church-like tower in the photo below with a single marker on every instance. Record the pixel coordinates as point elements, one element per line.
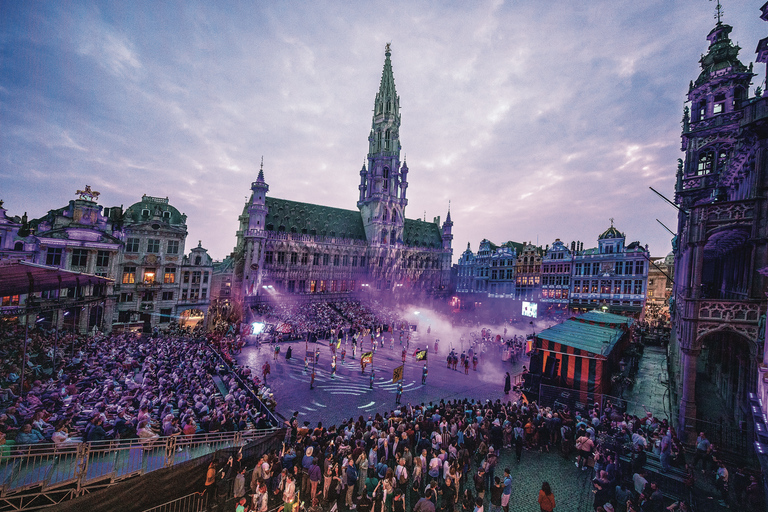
<point>384,181</point>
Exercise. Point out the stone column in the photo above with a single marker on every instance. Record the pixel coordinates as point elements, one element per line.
<point>689,360</point>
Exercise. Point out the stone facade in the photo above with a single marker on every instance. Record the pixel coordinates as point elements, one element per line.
<point>556,277</point>
<point>528,273</point>
<point>612,276</point>
<point>721,247</point>
<point>141,249</point>
<point>564,280</point>
<point>302,249</point>
<point>660,279</point>
<point>81,237</point>
<point>490,273</point>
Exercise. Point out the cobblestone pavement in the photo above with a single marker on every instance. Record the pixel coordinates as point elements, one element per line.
<point>349,394</point>
<point>571,486</point>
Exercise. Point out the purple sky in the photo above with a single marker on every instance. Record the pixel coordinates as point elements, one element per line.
<point>538,120</point>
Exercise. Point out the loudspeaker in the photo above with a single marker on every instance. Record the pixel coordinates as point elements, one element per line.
<point>535,363</point>
<point>553,366</point>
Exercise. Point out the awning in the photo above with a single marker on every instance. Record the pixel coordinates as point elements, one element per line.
<point>591,338</point>
<point>23,277</point>
<point>600,317</point>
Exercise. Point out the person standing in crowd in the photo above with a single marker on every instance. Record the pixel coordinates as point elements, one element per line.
<point>507,494</point>
<point>507,383</point>
<point>546,498</point>
<point>703,450</point>
<point>424,375</point>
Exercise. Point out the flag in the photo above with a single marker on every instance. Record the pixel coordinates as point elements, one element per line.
<point>338,345</point>
<point>366,358</point>
<point>420,355</point>
<point>397,374</point>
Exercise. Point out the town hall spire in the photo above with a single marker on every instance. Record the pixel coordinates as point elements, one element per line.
<point>383,184</point>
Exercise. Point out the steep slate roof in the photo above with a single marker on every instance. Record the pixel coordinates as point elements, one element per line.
<point>313,219</point>
<point>418,233</point>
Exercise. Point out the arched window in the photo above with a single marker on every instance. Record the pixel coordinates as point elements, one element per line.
<point>722,159</point>
<point>385,173</point>
<point>18,246</point>
<point>386,139</point>
<point>392,237</point>
<point>385,215</point>
<point>383,237</point>
<point>705,163</point>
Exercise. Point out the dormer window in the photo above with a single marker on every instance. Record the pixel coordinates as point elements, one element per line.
<point>145,212</point>
<point>167,215</point>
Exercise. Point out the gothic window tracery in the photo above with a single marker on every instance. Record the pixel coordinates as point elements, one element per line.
<point>705,163</point>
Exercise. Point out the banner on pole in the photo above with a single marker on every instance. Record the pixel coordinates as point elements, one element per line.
<point>397,374</point>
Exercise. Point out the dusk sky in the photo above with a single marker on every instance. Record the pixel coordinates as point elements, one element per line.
<point>537,120</point>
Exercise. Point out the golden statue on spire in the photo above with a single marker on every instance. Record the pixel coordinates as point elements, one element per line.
<point>387,48</point>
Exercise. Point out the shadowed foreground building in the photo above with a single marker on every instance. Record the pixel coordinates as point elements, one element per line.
<point>289,247</point>
<point>721,252</point>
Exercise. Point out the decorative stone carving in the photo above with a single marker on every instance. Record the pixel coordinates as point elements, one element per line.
<point>729,311</point>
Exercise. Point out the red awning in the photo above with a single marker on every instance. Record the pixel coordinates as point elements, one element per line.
<point>23,277</point>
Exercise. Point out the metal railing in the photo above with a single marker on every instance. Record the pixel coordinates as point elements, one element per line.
<point>194,502</point>
<point>82,464</point>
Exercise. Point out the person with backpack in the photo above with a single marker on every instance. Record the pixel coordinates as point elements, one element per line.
<point>546,498</point>
<point>401,475</point>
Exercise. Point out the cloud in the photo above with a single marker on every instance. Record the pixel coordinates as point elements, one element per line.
<point>535,121</point>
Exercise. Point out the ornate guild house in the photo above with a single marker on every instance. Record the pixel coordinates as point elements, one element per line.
<point>721,257</point>
<point>289,247</point>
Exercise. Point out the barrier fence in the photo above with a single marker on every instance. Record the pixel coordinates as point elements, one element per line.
<point>79,465</point>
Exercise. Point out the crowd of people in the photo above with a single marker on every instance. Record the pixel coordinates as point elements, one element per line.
<point>322,319</point>
<point>445,457</point>
<point>119,386</point>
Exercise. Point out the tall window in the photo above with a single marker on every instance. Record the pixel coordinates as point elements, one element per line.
<point>196,277</point>
<point>132,245</point>
<point>169,277</point>
<point>173,247</point>
<point>362,261</point>
<point>129,275</point>
<point>304,258</point>
<point>79,257</point>
<point>316,259</point>
<point>281,258</point>
<point>53,256</point>
<point>705,163</point>
<point>326,259</point>
<point>638,287</point>
<point>149,276</point>
<point>102,259</point>
<point>268,257</point>
<point>294,258</point>
<point>336,260</point>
